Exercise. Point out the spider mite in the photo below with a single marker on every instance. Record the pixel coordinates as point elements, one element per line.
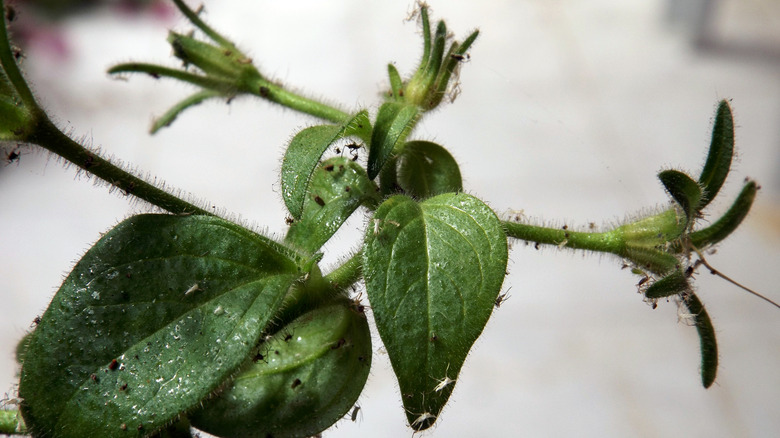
<point>12,156</point>
<point>501,299</point>
<point>354,146</point>
<point>194,288</point>
<point>89,162</point>
<point>319,201</point>
<point>295,383</point>
<point>421,419</point>
<point>355,411</point>
<point>288,220</point>
<point>443,383</point>
<point>378,221</point>
<point>353,150</point>
<point>10,13</point>
<point>460,58</point>
<point>329,167</point>
<point>113,365</point>
<point>338,344</point>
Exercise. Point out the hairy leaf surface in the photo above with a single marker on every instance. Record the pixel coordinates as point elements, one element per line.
<point>685,191</point>
<point>302,380</point>
<point>304,153</point>
<point>433,271</point>
<point>338,187</point>
<point>394,122</point>
<point>719,157</point>
<point>150,321</point>
<point>426,169</point>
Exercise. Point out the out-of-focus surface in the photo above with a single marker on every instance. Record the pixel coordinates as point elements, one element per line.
<point>568,111</point>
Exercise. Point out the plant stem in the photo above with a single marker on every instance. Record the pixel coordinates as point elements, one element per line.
<point>348,273</point>
<point>51,138</point>
<point>11,69</point>
<point>277,94</point>
<point>601,242</point>
<point>11,423</point>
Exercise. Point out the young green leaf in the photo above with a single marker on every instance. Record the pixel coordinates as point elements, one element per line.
<point>426,169</point>
<point>338,187</point>
<point>433,271</point>
<point>304,154</point>
<point>154,317</point>
<point>301,381</point>
<point>729,221</point>
<point>396,84</point>
<point>707,343</point>
<point>673,284</point>
<point>718,163</point>
<point>394,122</point>
<point>685,191</point>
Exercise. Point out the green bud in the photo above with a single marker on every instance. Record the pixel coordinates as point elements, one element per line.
<point>428,85</point>
<point>225,62</point>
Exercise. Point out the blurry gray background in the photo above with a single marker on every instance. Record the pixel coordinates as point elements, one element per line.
<point>568,111</point>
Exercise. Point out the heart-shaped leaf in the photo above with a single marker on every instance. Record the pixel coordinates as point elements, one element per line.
<point>394,122</point>
<point>154,317</point>
<point>305,151</point>
<point>338,187</point>
<point>433,271</point>
<point>426,169</point>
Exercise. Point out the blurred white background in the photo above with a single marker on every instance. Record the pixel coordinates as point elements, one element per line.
<point>568,111</point>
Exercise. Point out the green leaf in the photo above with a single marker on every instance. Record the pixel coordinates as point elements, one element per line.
<point>394,122</point>
<point>729,221</point>
<point>707,343</point>
<point>426,169</point>
<point>433,271</point>
<point>301,381</point>
<point>192,100</point>
<point>338,187</point>
<point>718,163</point>
<point>396,84</point>
<point>304,154</point>
<point>673,284</point>
<point>684,190</point>
<point>11,422</point>
<point>154,317</point>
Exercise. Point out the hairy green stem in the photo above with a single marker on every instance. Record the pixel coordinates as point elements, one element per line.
<point>601,242</point>
<point>348,273</point>
<point>51,138</point>
<point>11,423</point>
<point>11,69</point>
<point>277,94</point>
